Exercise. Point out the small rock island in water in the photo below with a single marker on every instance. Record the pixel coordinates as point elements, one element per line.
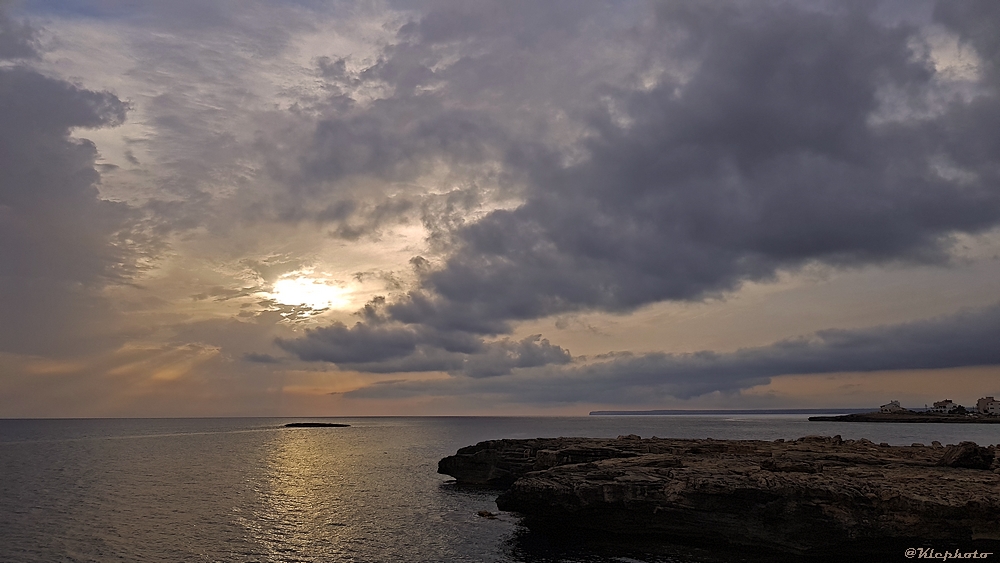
<point>316,425</point>
<point>811,496</point>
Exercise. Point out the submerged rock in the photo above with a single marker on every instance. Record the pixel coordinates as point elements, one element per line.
<point>799,497</point>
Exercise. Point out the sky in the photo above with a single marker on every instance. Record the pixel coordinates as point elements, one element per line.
<point>461,207</point>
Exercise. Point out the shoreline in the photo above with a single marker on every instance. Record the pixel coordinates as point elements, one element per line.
<point>723,412</point>
<point>805,497</point>
<point>909,418</point>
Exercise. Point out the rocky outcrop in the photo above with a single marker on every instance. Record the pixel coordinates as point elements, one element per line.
<point>969,455</point>
<point>800,496</point>
<point>498,463</point>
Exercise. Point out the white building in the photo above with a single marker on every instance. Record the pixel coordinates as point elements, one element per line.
<point>945,406</point>
<point>891,406</point>
<point>988,405</point>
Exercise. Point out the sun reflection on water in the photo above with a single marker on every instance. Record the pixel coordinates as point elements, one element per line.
<point>301,511</point>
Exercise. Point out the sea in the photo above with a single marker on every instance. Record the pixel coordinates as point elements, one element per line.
<point>252,490</point>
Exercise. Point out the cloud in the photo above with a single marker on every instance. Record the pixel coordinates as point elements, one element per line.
<point>393,349</point>
<point>559,157</point>
<point>60,243</point>
<point>261,358</point>
<point>764,158</point>
<point>771,137</point>
<point>960,340</point>
<point>17,39</point>
<point>974,23</point>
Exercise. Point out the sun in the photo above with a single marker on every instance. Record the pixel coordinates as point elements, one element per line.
<point>299,288</point>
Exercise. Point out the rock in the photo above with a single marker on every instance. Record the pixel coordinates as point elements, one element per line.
<point>498,463</point>
<point>800,497</point>
<point>969,455</point>
<point>778,465</point>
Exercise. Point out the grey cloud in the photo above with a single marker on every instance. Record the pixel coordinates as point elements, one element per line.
<point>975,22</point>
<point>960,340</point>
<point>361,343</point>
<point>458,90</point>
<point>396,140</point>
<point>446,22</point>
<point>17,39</point>
<point>669,157</point>
<point>220,293</point>
<point>60,243</point>
<point>765,157</point>
<point>54,224</point>
<point>354,221</point>
<point>761,146</point>
<point>502,357</point>
<point>261,358</point>
<point>392,349</point>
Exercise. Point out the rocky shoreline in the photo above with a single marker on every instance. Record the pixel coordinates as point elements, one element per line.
<point>802,497</point>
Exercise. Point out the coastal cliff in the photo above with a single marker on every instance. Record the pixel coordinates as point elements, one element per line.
<point>798,497</point>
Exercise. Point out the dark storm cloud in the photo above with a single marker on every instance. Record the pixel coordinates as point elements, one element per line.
<point>768,156</point>
<point>17,39</point>
<point>390,349</point>
<point>59,242</point>
<point>776,135</point>
<point>965,339</point>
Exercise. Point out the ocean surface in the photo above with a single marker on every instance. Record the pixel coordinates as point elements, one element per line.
<point>243,490</point>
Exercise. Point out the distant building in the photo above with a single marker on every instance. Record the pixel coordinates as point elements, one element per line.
<point>945,406</point>
<point>988,405</point>
<point>891,406</point>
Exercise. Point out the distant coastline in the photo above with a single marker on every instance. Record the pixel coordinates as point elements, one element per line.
<point>673,412</point>
<point>910,417</point>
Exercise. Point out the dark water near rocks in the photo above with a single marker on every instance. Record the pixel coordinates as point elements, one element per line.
<point>244,490</point>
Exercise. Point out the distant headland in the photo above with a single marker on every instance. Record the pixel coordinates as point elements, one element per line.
<point>671,412</point>
<point>911,416</point>
<point>987,411</point>
<point>315,425</point>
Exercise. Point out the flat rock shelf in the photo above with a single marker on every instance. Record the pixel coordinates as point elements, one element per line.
<point>807,497</point>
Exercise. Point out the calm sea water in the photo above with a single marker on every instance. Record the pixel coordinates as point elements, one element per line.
<point>242,490</point>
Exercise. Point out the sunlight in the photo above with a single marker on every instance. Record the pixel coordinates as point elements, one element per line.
<point>313,292</point>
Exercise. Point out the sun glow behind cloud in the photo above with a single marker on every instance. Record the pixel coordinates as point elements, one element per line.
<point>306,289</point>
